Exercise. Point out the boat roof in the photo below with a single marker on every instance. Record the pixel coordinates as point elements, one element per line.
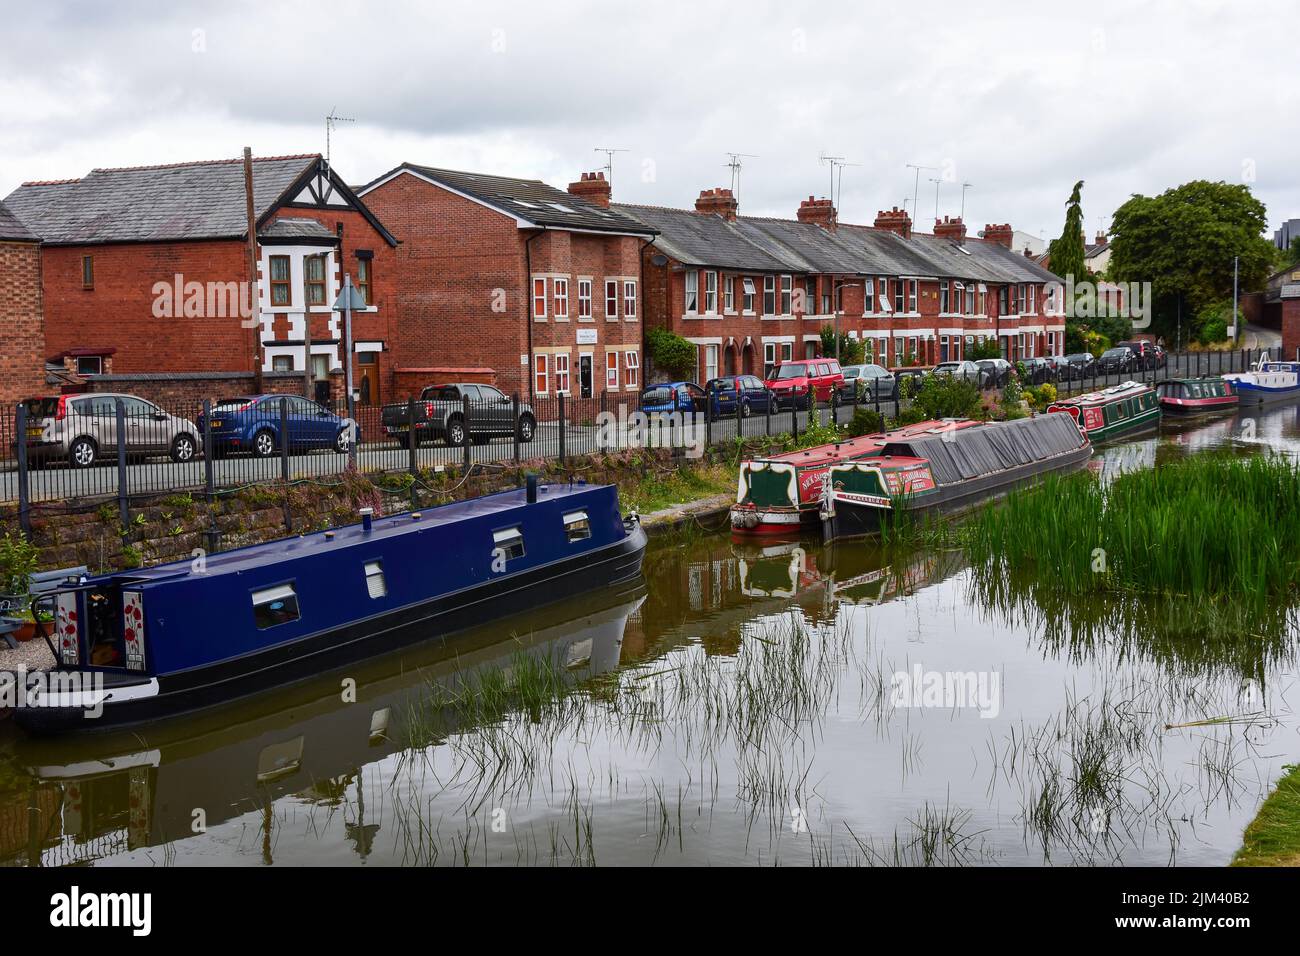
<point>853,448</point>
<point>1106,395</point>
<point>383,526</point>
<point>1194,380</point>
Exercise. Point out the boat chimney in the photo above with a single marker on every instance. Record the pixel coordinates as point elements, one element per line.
<point>532,489</point>
<point>367,519</point>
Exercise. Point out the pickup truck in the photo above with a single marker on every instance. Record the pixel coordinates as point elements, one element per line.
<point>440,413</point>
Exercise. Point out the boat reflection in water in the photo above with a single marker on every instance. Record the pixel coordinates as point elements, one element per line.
<point>98,796</point>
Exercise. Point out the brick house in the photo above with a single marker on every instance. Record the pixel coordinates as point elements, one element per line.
<point>751,292</point>
<point>146,268</point>
<point>22,325</point>
<point>513,282</point>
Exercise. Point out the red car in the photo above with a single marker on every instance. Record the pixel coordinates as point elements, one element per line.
<point>790,382</point>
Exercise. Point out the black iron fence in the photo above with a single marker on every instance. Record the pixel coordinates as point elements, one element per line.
<point>109,447</point>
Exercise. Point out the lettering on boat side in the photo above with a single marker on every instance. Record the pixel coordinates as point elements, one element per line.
<point>76,909</point>
<point>950,690</point>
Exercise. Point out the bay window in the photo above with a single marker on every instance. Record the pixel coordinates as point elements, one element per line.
<point>692,292</point>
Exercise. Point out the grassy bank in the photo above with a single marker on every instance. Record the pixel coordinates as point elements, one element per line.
<point>1273,837</point>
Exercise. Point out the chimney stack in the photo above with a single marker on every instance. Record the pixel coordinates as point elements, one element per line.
<point>719,201</point>
<point>953,229</point>
<point>593,187</point>
<point>819,211</point>
<point>1101,236</point>
<point>1001,233</point>
<point>896,221</point>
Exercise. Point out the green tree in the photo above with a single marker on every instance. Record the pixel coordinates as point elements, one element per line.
<point>671,353</point>
<point>989,348</point>
<point>1067,250</point>
<point>850,352</point>
<point>1183,242</point>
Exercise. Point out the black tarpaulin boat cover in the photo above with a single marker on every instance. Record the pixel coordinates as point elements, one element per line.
<point>971,452</point>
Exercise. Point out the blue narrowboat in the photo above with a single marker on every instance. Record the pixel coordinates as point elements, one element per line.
<point>138,645</point>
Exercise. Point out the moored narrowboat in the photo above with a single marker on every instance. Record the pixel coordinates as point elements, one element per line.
<point>138,645</point>
<point>781,494</point>
<point>1196,396</point>
<point>947,471</point>
<point>1268,382</point>
<point>1121,410</point>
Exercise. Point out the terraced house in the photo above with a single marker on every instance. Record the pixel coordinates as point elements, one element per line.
<point>751,292</point>
<point>516,283</point>
<point>146,271</point>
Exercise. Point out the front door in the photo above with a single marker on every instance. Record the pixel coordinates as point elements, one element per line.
<point>320,370</point>
<point>584,374</point>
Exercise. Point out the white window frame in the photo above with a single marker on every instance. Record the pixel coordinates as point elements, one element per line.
<point>710,292</point>
<point>545,362</point>
<point>632,368</point>
<point>611,367</point>
<point>562,373</point>
<point>868,296</point>
<point>945,300</point>
<point>560,293</point>
<point>711,362</point>
<point>912,289</point>
<point>747,295</point>
<point>545,296</point>
<point>691,300</point>
<point>584,301</point>
<point>611,300</point>
<point>769,290</point>
<point>729,295</point>
<point>629,300</point>
<point>787,295</point>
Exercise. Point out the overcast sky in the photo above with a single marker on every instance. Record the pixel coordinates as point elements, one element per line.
<point>1020,102</point>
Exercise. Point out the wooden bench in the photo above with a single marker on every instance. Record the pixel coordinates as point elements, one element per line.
<point>14,606</point>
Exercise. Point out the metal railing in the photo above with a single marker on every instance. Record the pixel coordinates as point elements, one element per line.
<point>116,448</point>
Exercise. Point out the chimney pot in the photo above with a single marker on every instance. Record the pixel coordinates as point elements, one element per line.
<point>593,188</point>
<point>717,201</point>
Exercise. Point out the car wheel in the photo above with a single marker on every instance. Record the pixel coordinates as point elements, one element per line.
<point>183,448</point>
<point>264,443</point>
<point>342,441</point>
<point>527,427</point>
<point>81,453</point>
<point>455,432</point>
<point>744,410</point>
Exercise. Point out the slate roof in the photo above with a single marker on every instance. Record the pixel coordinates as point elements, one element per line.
<point>528,199</point>
<point>786,245</point>
<point>11,229</point>
<point>203,200</point>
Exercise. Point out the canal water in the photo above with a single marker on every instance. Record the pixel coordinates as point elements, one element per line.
<point>785,703</point>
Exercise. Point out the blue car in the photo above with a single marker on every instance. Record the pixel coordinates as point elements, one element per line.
<point>747,391</point>
<point>253,424</point>
<point>672,397</point>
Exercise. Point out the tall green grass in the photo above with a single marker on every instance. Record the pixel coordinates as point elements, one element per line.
<point>1206,527</point>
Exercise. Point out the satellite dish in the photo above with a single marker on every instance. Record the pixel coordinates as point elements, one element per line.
<point>659,260</point>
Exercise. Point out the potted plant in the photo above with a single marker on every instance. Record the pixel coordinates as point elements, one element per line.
<point>18,562</point>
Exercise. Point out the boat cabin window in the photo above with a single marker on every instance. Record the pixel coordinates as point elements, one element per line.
<point>509,542</point>
<point>277,605</point>
<point>577,527</point>
<point>375,583</point>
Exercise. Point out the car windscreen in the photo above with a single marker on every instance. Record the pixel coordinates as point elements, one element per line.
<point>441,393</point>
<point>791,371</point>
<point>656,396</point>
<point>720,384</point>
<point>1115,353</point>
<point>230,404</point>
<point>41,407</point>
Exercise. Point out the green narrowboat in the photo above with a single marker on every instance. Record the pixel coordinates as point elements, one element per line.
<point>1122,410</point>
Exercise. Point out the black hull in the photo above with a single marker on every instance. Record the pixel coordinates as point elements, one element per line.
<point>221,683</point>
<point>852,520</point>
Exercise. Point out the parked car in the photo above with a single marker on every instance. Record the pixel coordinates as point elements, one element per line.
<point>1144,354</point>
<point>965,370</point>
<point>440,414</point>
<point>83,429</point>
<point>1080,364</point>
<point>1037,370</point>
<point>998,371</point>
<point>672,397</point>
<point>869,381</point>
<point>1117,361</point>
<point>746,391</point>
<point>1161,356</point>
<point>254,423</point>
<point>1060,367</point>
<point>791,382</point>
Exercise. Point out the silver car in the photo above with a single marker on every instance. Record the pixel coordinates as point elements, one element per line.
<point>83,429</point>
<point>869,381</point>
<point>962,369</point>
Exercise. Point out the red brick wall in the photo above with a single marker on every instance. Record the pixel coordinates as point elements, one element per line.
<point>22,348</point>
<point>464,288</point>
<point>1290,327</point>
<point>118,311</point>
